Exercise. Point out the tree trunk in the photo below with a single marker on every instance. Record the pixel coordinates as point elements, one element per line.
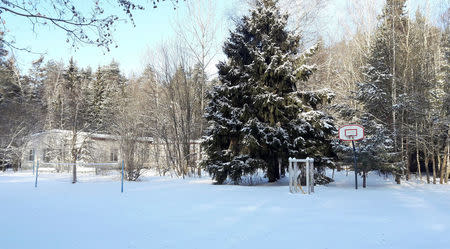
<point>364,178</point>
<point>408,158</point>
<point>202,108</point>
<point>441,170</point>
<point>427,160</point>
<point>279,167</point>
<point>272,170</point>
<point>402,153</point>
<point>199,168</point>
<point>397,178</point>
<point>74,170</point>
<point>434,168</point>
<point>418,156</point>
<point>74,156</point>
<point>418,164</point>
<point>446,162</point>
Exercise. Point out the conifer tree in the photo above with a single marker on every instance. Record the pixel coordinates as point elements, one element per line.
<point>380,91</point>
<point>73,110</point>
<point>9,88</point>
<point>97,97</point>
<point>256,115</point>
<point>107,87</point>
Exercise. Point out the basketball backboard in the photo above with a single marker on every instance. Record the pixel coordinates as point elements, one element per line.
<point>351,132</point>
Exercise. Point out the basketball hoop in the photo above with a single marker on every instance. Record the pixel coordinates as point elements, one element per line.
<point>352,133</point>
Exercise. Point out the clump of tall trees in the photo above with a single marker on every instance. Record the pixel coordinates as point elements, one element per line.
<point>165,102</point>
<point>396,84</point>
<point>19,108</point>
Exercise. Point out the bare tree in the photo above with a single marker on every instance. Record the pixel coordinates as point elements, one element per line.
<point>132,125</point>
<point>305,18</point>
<point>93,24</point>
<point>197,32</point>
<point>179,108</point>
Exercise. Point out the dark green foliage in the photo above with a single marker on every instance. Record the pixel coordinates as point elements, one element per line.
<point>256,114</point>
<point>9,88</point>
<point>380,94</point>
<point>20,107</point>
<point>374,152</point>
<point>104,93</point>
<point>381,73</point>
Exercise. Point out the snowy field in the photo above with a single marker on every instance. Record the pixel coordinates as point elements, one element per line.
<point>193,213</point>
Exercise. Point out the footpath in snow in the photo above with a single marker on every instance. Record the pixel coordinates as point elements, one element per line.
<point>174,213</point>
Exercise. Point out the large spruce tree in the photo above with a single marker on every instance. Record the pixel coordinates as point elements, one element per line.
<point>256,115</point>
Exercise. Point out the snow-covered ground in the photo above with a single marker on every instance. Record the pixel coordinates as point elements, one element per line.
<point>193,213</point>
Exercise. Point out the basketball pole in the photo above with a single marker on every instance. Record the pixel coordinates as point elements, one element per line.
<point>121,188</point>
<point>356,168</point>
<point>37,173</point>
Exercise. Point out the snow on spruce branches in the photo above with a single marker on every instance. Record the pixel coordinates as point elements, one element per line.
<point>256,114</point>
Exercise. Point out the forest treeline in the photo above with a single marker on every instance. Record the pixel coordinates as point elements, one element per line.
<point>395,82</point>
<point>274,96</point>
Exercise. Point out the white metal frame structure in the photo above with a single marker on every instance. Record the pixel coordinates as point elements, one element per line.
<point>294,172</point>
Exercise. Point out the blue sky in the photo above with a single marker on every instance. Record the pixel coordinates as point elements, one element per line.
<point>154,27</point>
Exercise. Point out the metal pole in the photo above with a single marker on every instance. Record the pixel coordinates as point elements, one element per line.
<point>295,176</point>
<point>37,173</point>
<point>290,175</point>
<point>121,189</point>
<point>34,159</point>
<point>307,176</point>
<point>312,174</point>
<point>356,167</point>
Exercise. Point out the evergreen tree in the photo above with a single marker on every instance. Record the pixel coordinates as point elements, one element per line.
<point>9,88</point>
<point>106,87</point>
<point>97,99</point>
<point>53,94</point>
<point>10,114</point>
<point>73,95</point>
<point>257,117</point>
<point>20,107</point>
<point>380,91</point>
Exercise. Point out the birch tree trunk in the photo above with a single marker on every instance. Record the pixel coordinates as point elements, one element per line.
<point>74,157</point>
<point>406,157</point>
<point>427,160</point>
<point>394,86</point>
<point>418,155</point>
